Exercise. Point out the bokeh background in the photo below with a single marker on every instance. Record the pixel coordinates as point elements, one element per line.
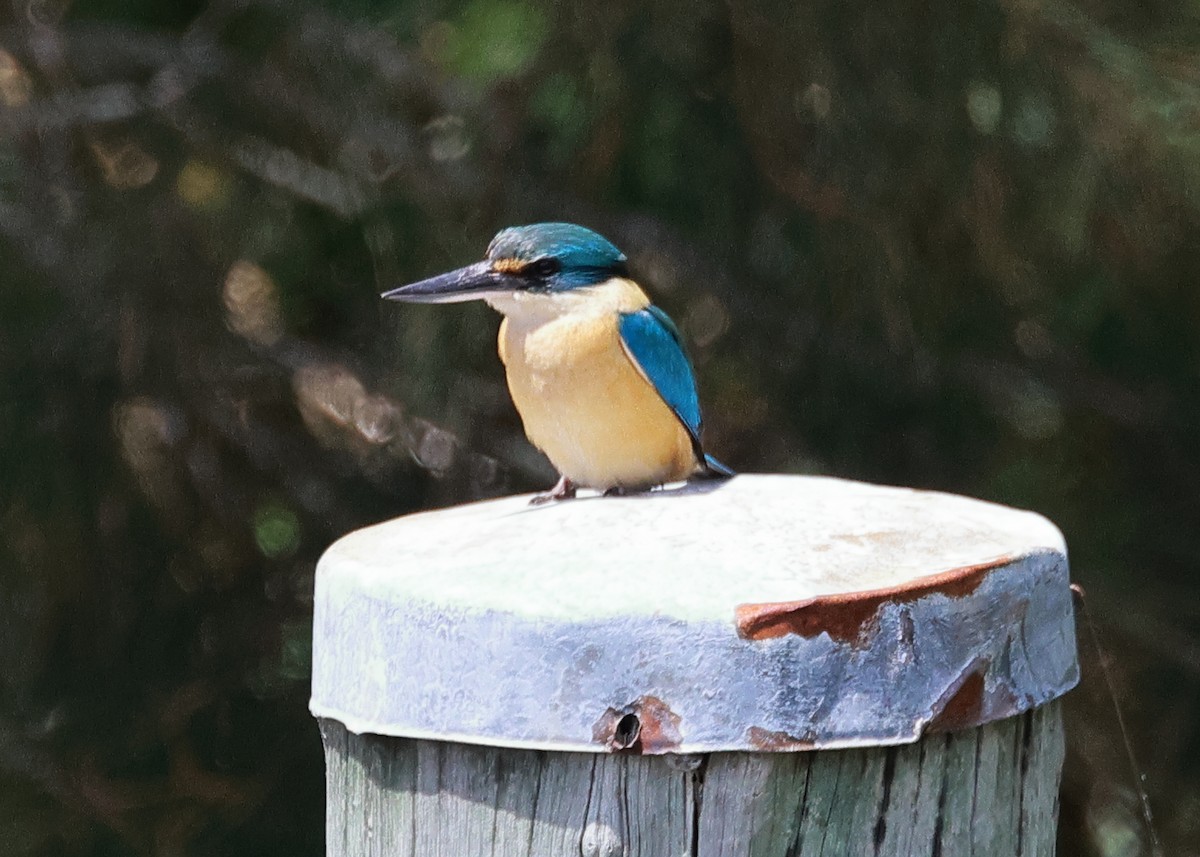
<point>948,245</point>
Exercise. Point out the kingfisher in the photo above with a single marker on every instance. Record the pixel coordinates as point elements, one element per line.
<point>598,374</point>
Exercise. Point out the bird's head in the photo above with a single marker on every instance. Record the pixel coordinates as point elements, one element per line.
<point>524,263</point>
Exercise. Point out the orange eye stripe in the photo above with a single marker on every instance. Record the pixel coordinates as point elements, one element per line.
<point>508,266</point>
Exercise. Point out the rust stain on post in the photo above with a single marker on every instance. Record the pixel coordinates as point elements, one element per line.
<point>850,617</point>
<point>648,725</point>
<point>962,705</point>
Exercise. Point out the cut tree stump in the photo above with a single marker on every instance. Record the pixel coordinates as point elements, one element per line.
<point>773,665</point>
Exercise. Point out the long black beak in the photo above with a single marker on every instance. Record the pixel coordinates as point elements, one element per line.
<point>466,284</point>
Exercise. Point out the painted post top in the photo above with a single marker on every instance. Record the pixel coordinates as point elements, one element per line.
<point>769,613</point>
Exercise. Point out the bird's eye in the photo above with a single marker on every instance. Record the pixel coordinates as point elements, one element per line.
<point>544,268</point>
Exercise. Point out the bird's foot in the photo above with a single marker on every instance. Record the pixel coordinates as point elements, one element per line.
<point>616,491</point>
<point>563,490</point>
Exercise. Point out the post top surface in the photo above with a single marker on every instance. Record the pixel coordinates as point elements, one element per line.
<point>693,552</point>
<point>769,613</point>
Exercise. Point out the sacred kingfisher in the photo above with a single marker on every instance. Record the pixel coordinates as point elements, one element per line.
<point>598,374</point>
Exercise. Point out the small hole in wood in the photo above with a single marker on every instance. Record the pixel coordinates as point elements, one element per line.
<point>626,734</point>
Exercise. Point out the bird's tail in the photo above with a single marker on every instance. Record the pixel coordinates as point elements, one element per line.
<point>710,468</point>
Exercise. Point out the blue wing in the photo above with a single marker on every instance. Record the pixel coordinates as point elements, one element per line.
<point>654,344</point>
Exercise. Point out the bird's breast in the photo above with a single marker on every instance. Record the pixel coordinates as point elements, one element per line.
<point>585,404</point>
<point>566,347</point>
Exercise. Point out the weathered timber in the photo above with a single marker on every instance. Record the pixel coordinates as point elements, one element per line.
<point>767,666</point>
<point>989,790</point>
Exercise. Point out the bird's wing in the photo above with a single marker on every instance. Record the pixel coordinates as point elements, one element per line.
<point>654,346</point>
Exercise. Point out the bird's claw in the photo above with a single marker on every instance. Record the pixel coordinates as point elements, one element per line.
<point>563,490</point>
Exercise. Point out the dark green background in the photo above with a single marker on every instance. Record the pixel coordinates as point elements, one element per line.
<point>948,245</point>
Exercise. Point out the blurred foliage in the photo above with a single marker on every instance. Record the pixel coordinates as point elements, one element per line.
<point>949,246</point>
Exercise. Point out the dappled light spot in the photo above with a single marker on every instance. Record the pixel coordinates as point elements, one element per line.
<point>276,530</point>
<point>339,411</point>
<point>437,449</point>
<point>815,101</point>
<point>148,433</point>
<point>252,304</point>
<point>15,87</point>
<point>125,165</point>
<point>1036,411</point>
<point>447,139</point>
<point>145,428</point>
<point>202,185</point>
<point>984,106</point>
<point>706,320</point>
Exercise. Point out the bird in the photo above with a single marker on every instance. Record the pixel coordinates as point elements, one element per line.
<point>598,374</point>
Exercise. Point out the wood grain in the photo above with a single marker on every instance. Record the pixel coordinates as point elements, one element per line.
<point>990,791</point>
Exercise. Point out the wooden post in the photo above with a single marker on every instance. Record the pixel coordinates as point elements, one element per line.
<point>773,665</point>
